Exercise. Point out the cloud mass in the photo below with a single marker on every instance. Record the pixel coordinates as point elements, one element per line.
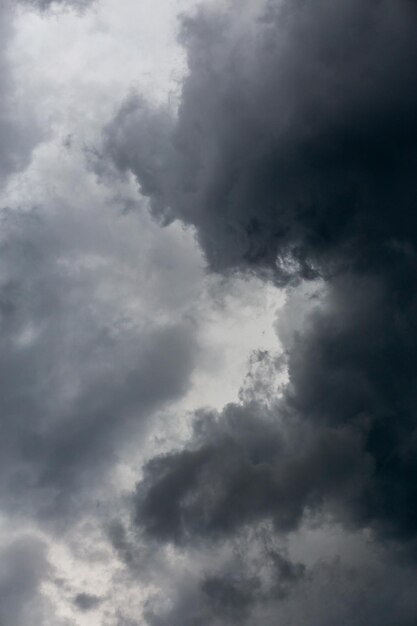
<point>136,231</point>
<point>293,155</point>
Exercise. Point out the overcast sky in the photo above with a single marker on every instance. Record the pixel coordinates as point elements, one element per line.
<point>208,313</point>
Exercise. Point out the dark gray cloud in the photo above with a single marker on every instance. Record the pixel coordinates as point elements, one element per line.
<point>343,430</point>
<point>242,467</point>
<point>294,151</point>
<point>334,593</point>
<point>293,155</point>
<point>330,593</point>
<point>295,139</point>
<point>85,602</point>
<point>338,444</point>
<point>232,594</point>
<point>215,600</point>
<point>355,361</point>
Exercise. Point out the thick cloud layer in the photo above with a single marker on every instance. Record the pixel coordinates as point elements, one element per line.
<point>241,468</point>
<point>295,144</point>
<point>371,594</point>
<point>295,139</point>
<point>293,154</point>
<point>327,450</point>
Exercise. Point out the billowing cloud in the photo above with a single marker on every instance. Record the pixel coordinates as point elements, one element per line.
<point>294,151</point>
<point>293,155</point>
<point>327,449</point>
<point>294,144</point>
<point>77,373</point>
<point>243,467</point>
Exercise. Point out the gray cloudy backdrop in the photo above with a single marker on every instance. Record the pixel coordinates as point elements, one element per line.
<point>208,313</point>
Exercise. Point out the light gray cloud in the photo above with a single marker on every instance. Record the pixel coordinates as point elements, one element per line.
<point>95,337</point>
<point>77,379</point>
<point>23,569</point>
<point>19,133</point>
<point>48,4</point>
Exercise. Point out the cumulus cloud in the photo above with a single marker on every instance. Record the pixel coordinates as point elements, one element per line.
<point>328,449</point>
<point>20,131</point>
<point>293,155</point>
<point>315,92</point>
<point>242,467</point>
<point>78,374</point>
<point>294,150</point>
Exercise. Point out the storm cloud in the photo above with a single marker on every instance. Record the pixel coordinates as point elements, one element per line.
<point>287,157</point>
<point>293,156</point>
<point>241,468</point>
<point>294,150</point>
<point>316,92</point>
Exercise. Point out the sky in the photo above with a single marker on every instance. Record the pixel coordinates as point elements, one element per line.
<point>208,313</point>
